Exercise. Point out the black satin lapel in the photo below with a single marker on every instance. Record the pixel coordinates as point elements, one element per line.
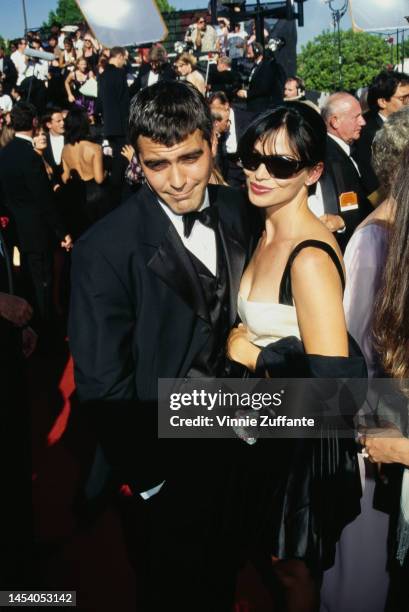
<point>235,260</point>
<point>172,264</point>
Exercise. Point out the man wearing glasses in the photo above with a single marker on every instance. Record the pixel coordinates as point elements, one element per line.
<point>202,36</point>
<point>388,92</point>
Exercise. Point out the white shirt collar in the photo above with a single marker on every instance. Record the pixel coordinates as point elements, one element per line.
<point>344,146</point>
<point>382,117</point>
<point>24,137</point>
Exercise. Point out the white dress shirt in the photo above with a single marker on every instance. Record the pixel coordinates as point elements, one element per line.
<point>6,103</point>
<point>153,77</point>
<point>19,60</point>
<point>231,140</point>
<point>57,145</point>
<point>202,240</point>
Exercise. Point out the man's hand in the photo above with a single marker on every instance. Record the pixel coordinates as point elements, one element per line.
<point>333,222</point>
<point>242,93</point>
<point>385,445</point>
<point>29,341</point>
<point>67,243</point>
<point>15,309</point>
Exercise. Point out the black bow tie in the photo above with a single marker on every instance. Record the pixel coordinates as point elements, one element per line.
<point>207,217</point>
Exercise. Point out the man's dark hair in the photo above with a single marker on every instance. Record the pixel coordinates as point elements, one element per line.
<point>220,96</point>
<point>52,37</point>
<point>384,85</point>
<point>22,116</point>
<point>48,115</point>
<point>76,126</point>
<point>168,112</point>
<point>115,51</point>
<point>299,81</point>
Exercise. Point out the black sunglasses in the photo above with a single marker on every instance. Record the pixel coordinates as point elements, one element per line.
<point>279,166</point>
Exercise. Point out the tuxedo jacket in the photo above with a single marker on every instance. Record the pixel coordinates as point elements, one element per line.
<point>138,314</point>
<point>232,172</point>
<point>228,81</point>
<point>266,86</point>
<point>10,73</point>
<point>28,196</point>
<point>166,74</point>
<point>113,100</point>
<point>362,152</point>
<point>341,177</point>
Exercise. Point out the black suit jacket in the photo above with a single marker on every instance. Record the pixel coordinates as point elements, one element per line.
<point>29,197</point>
<point>228,162</point>
<point>340,177</point>
<point>166,74</point>
<point>228,81</point>
<point>362,151</point>
<point>10,72</point>
<point>266,86</point>
<point>137,314</point>
<point>113,100</point>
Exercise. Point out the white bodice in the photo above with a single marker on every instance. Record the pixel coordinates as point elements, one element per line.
<point>268,322</point>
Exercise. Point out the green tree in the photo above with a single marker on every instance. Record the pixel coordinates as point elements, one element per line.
<point>67,12</point>
<point>164,6</point>
<point>364,55</point>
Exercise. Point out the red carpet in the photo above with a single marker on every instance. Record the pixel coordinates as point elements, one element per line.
<point>93,562</point>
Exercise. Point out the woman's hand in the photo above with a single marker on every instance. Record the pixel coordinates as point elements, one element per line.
<point>128,151</point>
<point>240,349</point>
<point>71,99</point>
<point>386,445</point>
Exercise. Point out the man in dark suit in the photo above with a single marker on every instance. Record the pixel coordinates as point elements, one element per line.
<point>266,82</point>
<point>154,292</point>
<point>17,341</point>
<point>113,102</point>
<point>340,199</point>
<point>29,197</point>
<point>157,69</point>
<point>238,120</point>
<point>388,92</point>
<point>53,123</point>
<point>223,78</point>
<point>8,72</point>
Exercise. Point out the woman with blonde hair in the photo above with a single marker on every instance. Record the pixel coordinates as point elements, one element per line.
<point>186,68</point>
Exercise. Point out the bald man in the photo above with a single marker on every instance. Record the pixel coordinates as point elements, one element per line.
<point>340,199</point>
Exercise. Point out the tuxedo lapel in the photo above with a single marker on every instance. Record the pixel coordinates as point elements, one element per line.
<point>233,251</point>
<point>172,264</point>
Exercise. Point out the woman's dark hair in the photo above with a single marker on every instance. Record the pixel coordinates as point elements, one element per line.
<point>22,116</point>
<point>391,320</point>
<point>76,126</point>
<point>168,112</point>
<point>305,129</point>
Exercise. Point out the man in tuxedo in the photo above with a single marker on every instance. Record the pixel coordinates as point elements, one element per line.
<point>223,78</point>
<point>388,92</point>
<point>238,120</point>
<point>113,102</point>
<point>157,69</point>
<point>53,123</point>
<point>154,293</point>
<point>266,82</point>
<point>8,72</point>
<point>17,341</point>
<point>340,199</point>
<point>28,195</point>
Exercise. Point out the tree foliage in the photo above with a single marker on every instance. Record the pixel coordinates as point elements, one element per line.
<point>67,12</point>
<point>364,55</point>
<point>164,6</point>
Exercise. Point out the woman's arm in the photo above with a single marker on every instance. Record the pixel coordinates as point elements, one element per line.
<point>317,294</point>
<point>67,84</point>
<point>98,166</point>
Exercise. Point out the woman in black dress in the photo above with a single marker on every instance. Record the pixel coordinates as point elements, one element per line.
<point>290,303</point>
<point>83,174</point>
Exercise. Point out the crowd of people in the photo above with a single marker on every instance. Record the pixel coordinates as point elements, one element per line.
<point>190,220</point>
